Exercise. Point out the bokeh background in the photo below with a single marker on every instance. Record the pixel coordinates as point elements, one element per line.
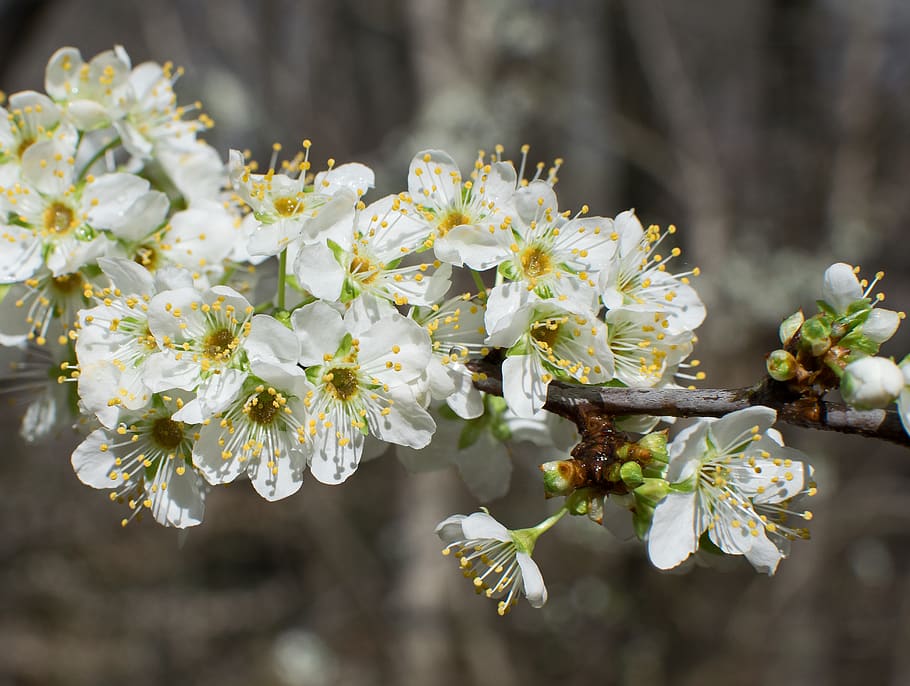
<point>774,133</point>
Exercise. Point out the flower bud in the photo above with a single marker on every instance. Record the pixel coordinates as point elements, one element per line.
<point>815,336</point>
<point>781,365</point>
<point>871,383</point>
<point>790,326</point>
<point>631,475</point>
<point>656,444</point>
<point>561,477</point>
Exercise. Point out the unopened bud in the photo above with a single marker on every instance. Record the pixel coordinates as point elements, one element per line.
<point>871,383</point>
<point>790,326</point>
<point>881,325</point>
<point>656,444</point>
<point>631,475</point>
<point>781,365</point>
<point>561,477</point>
<point>816,336</point>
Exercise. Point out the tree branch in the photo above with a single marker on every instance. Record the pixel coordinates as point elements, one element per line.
<point>576,402</point>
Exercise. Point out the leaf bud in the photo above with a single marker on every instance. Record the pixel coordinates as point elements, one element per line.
<point>781,365</point>
<point>816,336</point>
<point>561,477</point>
<point>631,475</point>
<point>790,326</point>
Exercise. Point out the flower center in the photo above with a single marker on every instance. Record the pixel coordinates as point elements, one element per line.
<point>59,219</point>
<point>167,433</point>
<point>363,270</point>
<point>220,344</point>
<point>67,284</point>
<point>341,382</point>
<point>289,206</point>
<point>535,262</point>
<point>147,256</point>
<point>24,145</point>
<point>546,333</point>
<point>452,219</point>
<point>264,407</point>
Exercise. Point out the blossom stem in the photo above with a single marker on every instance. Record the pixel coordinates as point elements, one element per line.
<point>481,286</point>
<point>97,156</point>
<point>548,523</point>
<point>282,273</point>
<point>525,539</point>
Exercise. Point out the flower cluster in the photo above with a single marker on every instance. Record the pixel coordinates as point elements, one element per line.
<point>130,255</point>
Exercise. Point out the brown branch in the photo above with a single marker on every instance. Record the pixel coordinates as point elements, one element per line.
<point>576,402</point>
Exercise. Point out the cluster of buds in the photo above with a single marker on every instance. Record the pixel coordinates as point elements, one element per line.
<point>848,326</point>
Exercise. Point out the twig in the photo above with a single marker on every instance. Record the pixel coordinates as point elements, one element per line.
<point>576,402</point>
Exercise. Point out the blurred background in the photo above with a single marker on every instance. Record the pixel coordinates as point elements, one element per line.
<point>775,134</point>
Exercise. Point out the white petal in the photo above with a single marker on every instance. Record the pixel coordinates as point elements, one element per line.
<point>59,82</point>
<point>764,555</point>
<point>406,423</point>
<point>320,330</point>
<point>450,528</point>
<point>128,276</point>
<point>736,428</point>
<point>21,255</point>
<point>319,272</point>
<point>534,588</point>
<point>208,460</point>
<point>353,176</point>
<point>272,342</point>
<point>331,462</point>
<point>213,395</point>
<point>284,480</point>
<point>522,384</point>
<point>439,182</point>
<point>473,246</point>
<point>841,287</point>
<point>881,324</point>
<point>673,537</point>
<point>116,195</point>
<point>481,525</point>
<point>92,464</point>
<point>182,503</point>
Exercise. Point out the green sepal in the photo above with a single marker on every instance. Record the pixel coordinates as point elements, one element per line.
<point>508,270</point>
<point>855,341</point>
<point>337,250</point>
<point>345,347</point>
<point>520,348</point>
<point>790,326</point>
<point>283,316</point>
<point>652,491</point>
<point>349,291</point>
<point>470,434</point>
<point>447,412</point>
<point>826,308</point>
<point>314,374</point>
<point>500,430</point>
<point>656,444</point>
<point>631,475</point>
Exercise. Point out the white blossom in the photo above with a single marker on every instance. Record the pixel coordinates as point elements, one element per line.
<point>496,560</point>
<point>732,478</point>
<point>146,462</point>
